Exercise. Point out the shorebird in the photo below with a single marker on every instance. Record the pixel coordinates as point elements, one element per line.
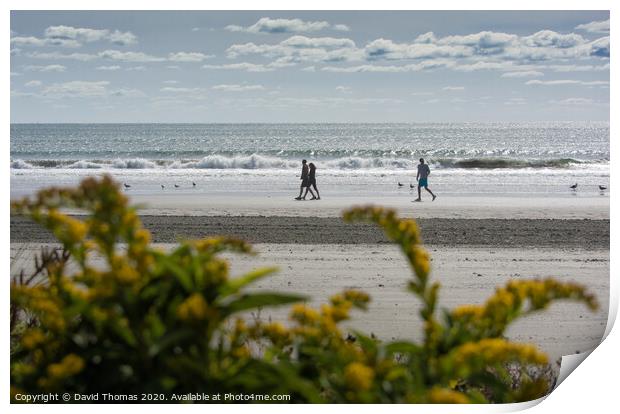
<point>126,185</point>
<point>176,186</point>
<point>602,187</point>
<point>574,186</point>
<point>193,184</point>
<point>399,184</point>
<point>163,186</point>
<point>411,186</point>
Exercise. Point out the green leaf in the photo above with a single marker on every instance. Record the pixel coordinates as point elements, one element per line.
<point>255,300</point>
<point>235,285</point>
<point>170,339</point>
<point>177,271</point>
<point>402,347</point>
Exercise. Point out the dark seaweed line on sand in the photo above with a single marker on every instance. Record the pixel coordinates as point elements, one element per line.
<point>589,234</point>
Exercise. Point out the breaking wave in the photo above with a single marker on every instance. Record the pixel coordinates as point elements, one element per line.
<point>262,162</point>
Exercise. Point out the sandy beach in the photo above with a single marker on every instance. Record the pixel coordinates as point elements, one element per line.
<point>467,275</point>
<point>320,256</point>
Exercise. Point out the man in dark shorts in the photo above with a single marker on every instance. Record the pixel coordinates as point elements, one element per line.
<point>304,178</point>
<point>422,177</point>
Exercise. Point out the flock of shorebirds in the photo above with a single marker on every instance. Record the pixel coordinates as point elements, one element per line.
<point>600,187</point>
<point>572,187</point>
<point>163,187</point>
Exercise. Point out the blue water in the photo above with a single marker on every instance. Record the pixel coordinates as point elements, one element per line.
<point>513,157</point>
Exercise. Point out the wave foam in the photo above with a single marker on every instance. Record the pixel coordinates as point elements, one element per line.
<point>347,163</point>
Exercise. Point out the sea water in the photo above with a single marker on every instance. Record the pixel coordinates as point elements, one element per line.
<point>361,159</point>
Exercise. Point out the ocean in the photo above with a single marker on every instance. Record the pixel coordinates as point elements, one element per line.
<point>472,158</point>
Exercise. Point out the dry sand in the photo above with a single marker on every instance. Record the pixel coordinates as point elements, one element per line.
<point>469,206</point>
<point>477,243</point>
<point>467,275</point>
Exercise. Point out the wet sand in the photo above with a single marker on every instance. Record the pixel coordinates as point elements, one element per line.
<point>505,233</point>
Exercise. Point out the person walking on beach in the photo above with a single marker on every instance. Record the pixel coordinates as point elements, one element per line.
<point>422,178</point>
<point>312,182</point>
<point>304,179</point>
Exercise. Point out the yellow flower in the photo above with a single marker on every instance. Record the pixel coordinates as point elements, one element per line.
<point>275,331</point>
<point>445,396</point>
<point>464,311</point>
<point>195,308</point>
<point>126,274</point>
<point>33,338</point>
<point>358,376</point>
<point>69,366</point>
<point>304,315</point>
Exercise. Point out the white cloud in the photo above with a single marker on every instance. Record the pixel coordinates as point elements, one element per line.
<point>573,101</point>
<point>413,67</point>
<point>129,56</point>
<point>68,36</point>
<point>47,68</point>
<point>84,57</point>
<point>523,74</point>
<point>341,27</point>
<point>561,82</point>
<point>76,89</point>
<point>549,38</point>
<point>387,49</point>
<point>515,101</point>
<point>33,83</point>
<point>37,42</point>
<point>595,27</point>
<point>248,67</point>
<point>136,68</point>
<point>238,88</point>
<point>122,38</point>
<point>127,93</point>
<point>299,48</point>
<point>268,25</point>
<point>123,56</point>
<point>175,93</point>
<point>108,68</point>
<point>171,82</point>
<point>171,89</point>
<point>481,40</point>
<point>195,29</point>
<point>75,33</point>
<point>343,89</point>
<point>453,88</point>
<point>188,57</point>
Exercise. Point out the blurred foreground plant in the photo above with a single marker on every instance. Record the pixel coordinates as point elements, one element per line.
<point>155,322</point>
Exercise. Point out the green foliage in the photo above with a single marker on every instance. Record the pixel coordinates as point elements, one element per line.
<point>149,321</point>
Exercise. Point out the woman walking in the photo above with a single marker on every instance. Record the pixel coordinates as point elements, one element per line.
<point>312,182</point>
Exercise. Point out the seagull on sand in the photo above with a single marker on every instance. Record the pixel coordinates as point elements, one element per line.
<point>193,184</point>
<point>399,184</point>
<point>163,186</point>
<point>411,186</point>
<point>126,185</point>
<point>176,186</point>
<point>574,186</point>
<point>602,187</point>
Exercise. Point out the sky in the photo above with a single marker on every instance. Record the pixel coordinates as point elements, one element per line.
<point>266,66</point>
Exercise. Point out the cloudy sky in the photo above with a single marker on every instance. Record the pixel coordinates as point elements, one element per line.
<point>309,66</point>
